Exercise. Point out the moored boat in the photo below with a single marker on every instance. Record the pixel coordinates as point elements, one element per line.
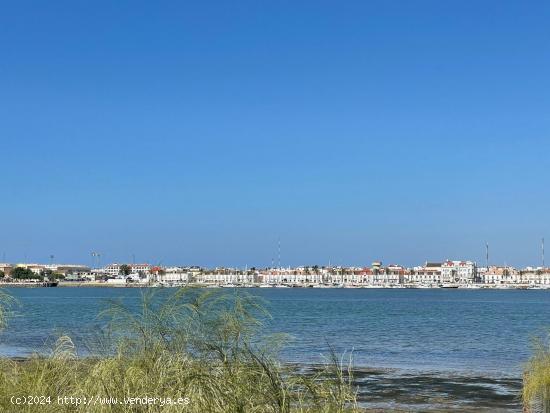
<point>448,285</point>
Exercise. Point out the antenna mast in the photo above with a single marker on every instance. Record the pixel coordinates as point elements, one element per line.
<point>279,253</point>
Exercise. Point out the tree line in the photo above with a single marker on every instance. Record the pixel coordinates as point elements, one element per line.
<point>21,273</point>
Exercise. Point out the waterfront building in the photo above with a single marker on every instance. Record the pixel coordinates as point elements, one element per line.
<point>194,272</point>
<point>220,276</point>
<point>68,269</point>
<point>175,274</point>
<point>6,268</point>
<point>545,276</point>
<point>114,269</point>
<point>499,275</point>
<point>391,275</point>
<point>361,276</point>
<point>340,276</point>
<point>536,276</point>
<point>97,272</point>
<point>427,274</point>
<point>297,276</point>
<point>463,272</point>
<point>81,276</point>
<point>293,276</point>
<point>382,278</point>
<point>35,268</point>
<point>398,272</point>
<point>376,266</point>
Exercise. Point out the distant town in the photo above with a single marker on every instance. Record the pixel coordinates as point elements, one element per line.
<point>444,274</point>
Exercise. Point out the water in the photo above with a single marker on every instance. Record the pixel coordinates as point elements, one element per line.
<point>485,332</point>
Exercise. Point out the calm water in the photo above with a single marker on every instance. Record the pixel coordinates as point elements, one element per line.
<point>466,331</point>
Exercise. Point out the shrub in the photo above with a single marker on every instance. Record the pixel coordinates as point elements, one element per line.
<point>202,345</point>
<point>536,380</point>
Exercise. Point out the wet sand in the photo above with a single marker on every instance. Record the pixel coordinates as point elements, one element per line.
<point>383,390</point>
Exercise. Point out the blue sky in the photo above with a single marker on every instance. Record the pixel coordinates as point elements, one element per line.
<point>201,133</point>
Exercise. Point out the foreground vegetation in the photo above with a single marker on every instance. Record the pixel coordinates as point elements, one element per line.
<point>536,380</point>
<point>200,349</point>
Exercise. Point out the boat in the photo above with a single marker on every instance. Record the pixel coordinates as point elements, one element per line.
<point>50,284</point>
<point>448,285</point>
<point>470,286</point>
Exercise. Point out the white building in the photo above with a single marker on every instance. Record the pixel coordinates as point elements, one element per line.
<point>427,274</point>
<point>226,277</point>
<point>35,268</point>
<point>6,268</point>
<point>297,276</point>
<point>67,269</point>
<point>174,275</point>
<point>114,269</point>
<point>384,276</point>
<point>463,272</point>
<point>499,275</point>
<point>536,276</point>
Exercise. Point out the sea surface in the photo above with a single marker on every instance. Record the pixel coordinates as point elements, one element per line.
<point>412,332</point>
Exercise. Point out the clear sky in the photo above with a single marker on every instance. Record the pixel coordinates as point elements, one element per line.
<point>202,133</point>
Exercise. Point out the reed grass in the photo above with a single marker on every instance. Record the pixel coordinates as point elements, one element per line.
<point>206,346</point>
<point>536,379</point>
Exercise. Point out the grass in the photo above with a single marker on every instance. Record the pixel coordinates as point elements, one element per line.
<point>202,345</point>
<point>536,379</point>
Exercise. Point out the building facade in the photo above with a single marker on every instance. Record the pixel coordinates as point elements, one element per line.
<point>462,272</point>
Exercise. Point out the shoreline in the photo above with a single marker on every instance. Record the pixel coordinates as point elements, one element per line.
<point>401,390</point>
<point>88,284</point>
<point>383,389</point>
